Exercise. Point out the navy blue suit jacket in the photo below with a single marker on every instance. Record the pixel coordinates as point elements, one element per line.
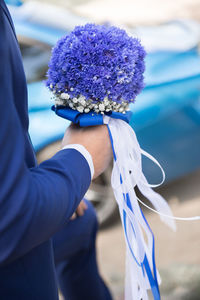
<point>35,201</point>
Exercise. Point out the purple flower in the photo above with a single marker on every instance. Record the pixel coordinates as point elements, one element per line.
<point>97,61</point>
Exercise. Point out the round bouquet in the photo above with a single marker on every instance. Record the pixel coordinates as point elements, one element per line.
<point>95,72</point>
<point>96,69</point>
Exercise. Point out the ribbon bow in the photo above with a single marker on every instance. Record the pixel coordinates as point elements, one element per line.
<point>89,119</point>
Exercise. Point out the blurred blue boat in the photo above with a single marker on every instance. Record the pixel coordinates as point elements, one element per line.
<point>166,116</point>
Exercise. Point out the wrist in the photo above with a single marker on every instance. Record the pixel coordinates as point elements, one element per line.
<point>86,154</point>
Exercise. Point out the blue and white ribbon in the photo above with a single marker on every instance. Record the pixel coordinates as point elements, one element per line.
<point>141,272</point>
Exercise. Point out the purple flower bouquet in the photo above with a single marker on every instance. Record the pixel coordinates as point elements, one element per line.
<point>96,68</point>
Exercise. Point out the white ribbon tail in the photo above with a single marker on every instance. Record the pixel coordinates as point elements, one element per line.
<point>141,273</point>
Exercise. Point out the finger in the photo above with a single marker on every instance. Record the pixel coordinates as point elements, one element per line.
<point>81,208</point>
<point>73,216</point>
<point>84,205</point>
<point>80,211</point>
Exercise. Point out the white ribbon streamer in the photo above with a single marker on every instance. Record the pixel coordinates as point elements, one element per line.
<point>126,174</point>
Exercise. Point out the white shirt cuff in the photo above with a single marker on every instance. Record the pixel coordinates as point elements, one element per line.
<point>85,153</point>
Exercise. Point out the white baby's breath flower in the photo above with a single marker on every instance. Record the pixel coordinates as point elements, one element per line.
<point>101,107</point>
<point>75,100</point>
<point>59,101</point>
<point>82,101</point>
<point>80,109</point>
<point>65,96</point>
<point>86,110</point>
<point>71,105</point>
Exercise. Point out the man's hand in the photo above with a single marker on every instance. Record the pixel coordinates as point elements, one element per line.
<point>96,141</point>
<point>80,210</point>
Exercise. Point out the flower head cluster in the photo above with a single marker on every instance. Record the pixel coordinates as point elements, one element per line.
<point>96,62</point>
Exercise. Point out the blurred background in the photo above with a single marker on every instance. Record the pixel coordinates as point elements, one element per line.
<point>166,118</point>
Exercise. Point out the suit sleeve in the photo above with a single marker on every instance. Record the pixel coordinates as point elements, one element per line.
<point>34,203</point>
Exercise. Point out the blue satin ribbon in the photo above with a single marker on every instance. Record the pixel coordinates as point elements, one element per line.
<point>145,264</point>
<point>88,119</point>
<point>152,276</point>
